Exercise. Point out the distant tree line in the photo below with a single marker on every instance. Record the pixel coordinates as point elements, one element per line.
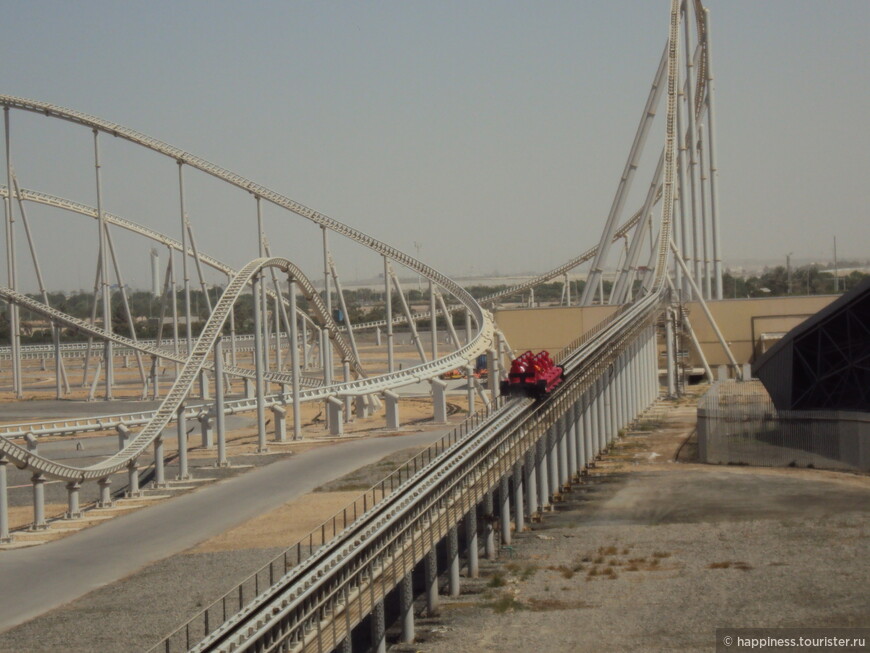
<point>367,305</point>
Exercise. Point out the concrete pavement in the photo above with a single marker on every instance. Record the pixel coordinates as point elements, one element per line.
<point>38,579</point>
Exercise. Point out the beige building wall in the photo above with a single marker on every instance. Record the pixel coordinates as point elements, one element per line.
<point>548,328</point>
<point>742,321</point>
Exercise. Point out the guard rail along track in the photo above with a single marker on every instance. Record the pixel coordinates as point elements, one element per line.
<point>312,606</point>
<point>196,361</point>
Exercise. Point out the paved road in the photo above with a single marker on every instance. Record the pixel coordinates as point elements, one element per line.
<point>36,580</point>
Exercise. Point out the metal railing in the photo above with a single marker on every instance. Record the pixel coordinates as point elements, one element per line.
<point>245,594</point>
<point>739,425</point>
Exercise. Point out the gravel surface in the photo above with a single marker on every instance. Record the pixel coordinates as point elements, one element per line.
<point>645,554</point>
<point>654,556</point>
<point>133,614</point>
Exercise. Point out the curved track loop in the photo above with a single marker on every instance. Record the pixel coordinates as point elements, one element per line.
<point>307,287</point>
<point>92,330</point>
<point>257,190</point>
<point>195,363</point>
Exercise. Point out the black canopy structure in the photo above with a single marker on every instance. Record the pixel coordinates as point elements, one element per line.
<point>824,362</point>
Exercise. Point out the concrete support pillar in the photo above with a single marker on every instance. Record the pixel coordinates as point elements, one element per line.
<point>203,385</point>
<point>181,425</point>
<point>453,560</point>
<point>471,543</point>
<point>562,435</point>
<point>279,417</point>
<point>580,433</point>
<point>38,481</point>
<point>105,500</point>
<point>430,568</point>
<point>334,408</point>
<point>259,389</point>
<point>611,412</point>
<point>519,514</point>
<point>571,438</point>
<point>531,481</point>
<point>600,424</point>
<point>505,511</point>
<point>592,410</point>
<point>406,608</point>
<point>74,510</point>
<point>123,435</point>
<point>488,529</point>
<point>159,470</point>
<point>492,371</point>
<point>4,502</point>
<point>379,630</point>
<point>205,424</point>
<point>439,401</point>
<point>607,418</point>
<point>634,382</point>
<point>361,407</point>
<point>133,479</point>
<point>219,397</point>
<point>543,475</point>
<point>624,416</point>
<point>249,388</point>
<point>469,377</point>
<point>553,460</point>
<point>588,447</point>
<point>391,402</point>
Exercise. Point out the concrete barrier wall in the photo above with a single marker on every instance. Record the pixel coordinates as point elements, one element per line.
<point>738,425</point>
<point>742,322</point>
<point>548,328</point>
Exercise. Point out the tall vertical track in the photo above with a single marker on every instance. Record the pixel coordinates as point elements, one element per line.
<point>611,377</point>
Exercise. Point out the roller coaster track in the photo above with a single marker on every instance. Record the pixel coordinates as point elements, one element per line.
<point>86,327</point>
<point>359,564</point>
<point>421,500</point>
<point>197,360</point>
<point>134,227</point>
<point>299,611</point>
<point>370,556</point>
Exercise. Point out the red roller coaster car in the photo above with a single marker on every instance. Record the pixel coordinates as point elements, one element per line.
<point>532,375</point>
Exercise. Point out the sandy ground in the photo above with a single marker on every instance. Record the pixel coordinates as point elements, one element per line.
<point>643,554</point>
<point>654,555</point>
<point>416,414</point>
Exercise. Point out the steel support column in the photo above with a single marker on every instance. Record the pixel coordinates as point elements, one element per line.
<point>159,469</point>
<point>73,509</point>
<point>531,481</point>
<point>471,543</point>
<point>519,516</point>
<point>406,608</point>
<point>505,511</point>
<point>219,397</point>
<point>258,367</point>
<point>430,565</point>
<point>488,526</point>
<point>181,426</point>
<point>4,501</point>
<point>38,481</point>
<point>453,560</point>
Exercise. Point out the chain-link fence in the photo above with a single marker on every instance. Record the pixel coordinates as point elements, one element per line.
<point>739,425</point>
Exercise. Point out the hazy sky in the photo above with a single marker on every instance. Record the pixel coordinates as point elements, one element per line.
<point>491,133</point>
